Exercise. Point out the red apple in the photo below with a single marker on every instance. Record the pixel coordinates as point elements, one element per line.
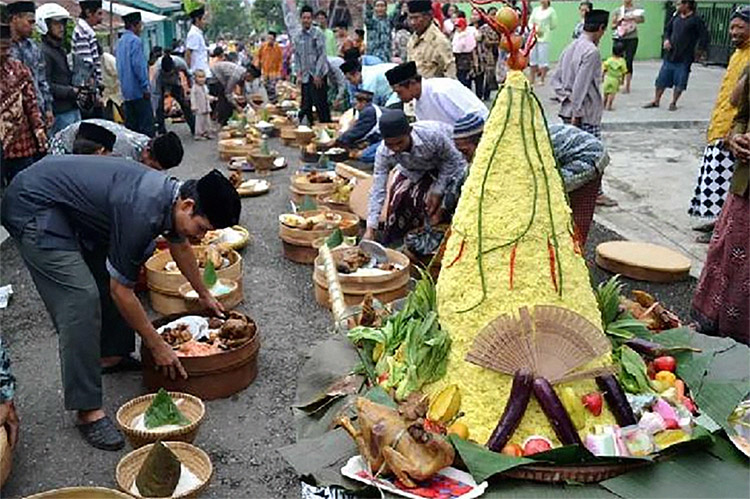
<point>665,363</point>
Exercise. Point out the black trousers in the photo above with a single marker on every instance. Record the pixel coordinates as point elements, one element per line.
<point>222,109</point>
<point>178,95</point>
<point>318,97</point>
<point>139,116</point>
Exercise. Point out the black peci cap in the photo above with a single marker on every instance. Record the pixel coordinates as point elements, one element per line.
<point>98,134</point>
<point>595,18</point>
<point>419,6</point>
<point>401,73</point>
<point>20,7</point>
<point>219,200</point>
<point>393,123</point>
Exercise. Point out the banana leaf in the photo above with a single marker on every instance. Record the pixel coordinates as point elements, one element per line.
<point>380,396</point>
<point>308,204</point>
<point>163,411</point>
<point>481,462</point>
<point>717,376</point>
<point>209,274</point>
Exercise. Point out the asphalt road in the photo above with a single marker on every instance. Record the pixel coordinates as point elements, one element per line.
<point>242,433</point>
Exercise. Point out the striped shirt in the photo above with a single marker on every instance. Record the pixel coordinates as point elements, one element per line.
<point>432,151</point>
<point>86,47</point>
<point>310,54</point>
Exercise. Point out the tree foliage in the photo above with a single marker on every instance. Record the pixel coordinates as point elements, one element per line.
<point>228,18</point>
<point>267,14</point>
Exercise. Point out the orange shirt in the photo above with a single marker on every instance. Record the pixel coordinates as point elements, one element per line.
<point>269,60</point>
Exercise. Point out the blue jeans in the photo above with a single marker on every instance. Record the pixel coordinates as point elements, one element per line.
<point>64,119</point>
<point>139,116</point>
<point>368,155</point>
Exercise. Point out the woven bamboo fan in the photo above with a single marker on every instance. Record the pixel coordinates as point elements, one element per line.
<point>553,343</point>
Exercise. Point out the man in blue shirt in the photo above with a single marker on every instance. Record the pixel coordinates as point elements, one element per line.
<point>133,75</point>
<point>84,225</point>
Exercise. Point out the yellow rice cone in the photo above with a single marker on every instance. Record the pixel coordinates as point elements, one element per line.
<point>510,208</point>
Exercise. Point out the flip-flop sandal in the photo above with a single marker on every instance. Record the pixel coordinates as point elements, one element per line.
<point>127,364</point>
<point>651,105</point>
<point>102,434</point>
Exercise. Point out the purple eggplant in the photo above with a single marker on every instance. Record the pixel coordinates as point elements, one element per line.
<point>555,411</point>
<point>650,349</point>
<point>616,399</point>
<point>520,393</point>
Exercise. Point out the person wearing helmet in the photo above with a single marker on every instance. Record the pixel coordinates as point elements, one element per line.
<point>26,50</point>
<point>51,20</point>
<point>160,153</point>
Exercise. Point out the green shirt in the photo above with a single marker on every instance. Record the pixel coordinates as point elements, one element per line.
<point>331,48</point>
<point>545,21</point>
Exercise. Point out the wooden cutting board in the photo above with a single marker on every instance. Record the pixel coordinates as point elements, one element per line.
<point>643,261</point>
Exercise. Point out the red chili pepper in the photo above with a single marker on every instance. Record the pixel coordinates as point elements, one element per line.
<point>577,246</point>
<point>460,252</point>
<point>513,263</point>
<point>552,262</point>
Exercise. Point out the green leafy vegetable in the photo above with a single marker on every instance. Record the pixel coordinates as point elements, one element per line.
<point>618,324</point>
<point>633,375</point>
<point>163,411</point>
<point>308,204</point>
<point>209,274</point>
<point>413,348</point>
<point>335,239</point>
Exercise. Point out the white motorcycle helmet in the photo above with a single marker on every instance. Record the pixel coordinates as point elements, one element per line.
<point>47,12</point>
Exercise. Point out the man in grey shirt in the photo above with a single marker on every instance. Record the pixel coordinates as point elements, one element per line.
<point>426,160</point>
<point>312,68</point>
<point>577,80</point>
<point>161,152</point>
<point>84,225</point>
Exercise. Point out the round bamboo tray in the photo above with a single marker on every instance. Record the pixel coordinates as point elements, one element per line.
<point>236,147</point>
<point>324,200</point>
<point>230,300</point>
<point>6,456</point>
<point>210,377</point>
<point>169,283</point>
<point>386,287</point>
<point>298,244</point>
<point>643,261</point>
<point>189,455</point>
<point>192,407</point>
<point>592,473</point>
<point>81,493</point>
<point>236,246</point>
<point>288,135</point>
<point>301,184</point>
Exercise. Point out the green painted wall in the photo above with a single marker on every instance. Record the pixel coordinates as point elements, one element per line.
<point>649,33</point>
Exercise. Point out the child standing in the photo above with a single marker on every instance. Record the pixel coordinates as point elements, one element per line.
<point>200,104</point>
<point>615,68</point>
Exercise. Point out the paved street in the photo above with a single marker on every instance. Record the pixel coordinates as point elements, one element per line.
<point>653,170</point>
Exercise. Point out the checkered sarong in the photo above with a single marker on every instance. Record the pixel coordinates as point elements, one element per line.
<point>595,130</point>
<point>713,181</point>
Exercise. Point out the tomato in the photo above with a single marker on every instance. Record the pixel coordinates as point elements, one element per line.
<point>665,363</point>
<point>534,445</point>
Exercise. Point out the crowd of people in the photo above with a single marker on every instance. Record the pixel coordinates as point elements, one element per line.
<point>418,80</point>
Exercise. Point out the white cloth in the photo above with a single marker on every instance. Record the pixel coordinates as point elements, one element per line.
<point>447,100</point>
<point>196,44</point>
<point>464,42</point>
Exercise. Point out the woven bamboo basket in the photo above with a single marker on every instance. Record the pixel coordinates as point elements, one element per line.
<point>192,407</point>
<point>324,201</point>
<point>210,376</point>
<point>288,135</point>
<point>301,184</point>
<point>164,287</point>
<point>236,147</point>
<point>261,162</point>
<point>239,244</point>
<point>385,288</point>
<point>169,282</point>
<point>302,138</point>
<point>592,473</point>
<point>6,456</point>
<point>191,456</point>
<point>230,300</point>
<point>81,493</point>
<point>298,243</point>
